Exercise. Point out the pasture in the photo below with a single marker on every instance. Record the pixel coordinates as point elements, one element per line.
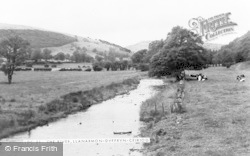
<point>33,98</point>
<point>216,121</point>
<point>32,89</point>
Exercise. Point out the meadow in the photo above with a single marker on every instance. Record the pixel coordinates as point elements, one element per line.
<point>216,121</point>
<point>35,96</point>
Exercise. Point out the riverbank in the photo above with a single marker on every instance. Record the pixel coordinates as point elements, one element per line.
<point>216,121</point>
<point>16,121</point>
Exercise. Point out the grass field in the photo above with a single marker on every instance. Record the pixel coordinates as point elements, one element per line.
<point>36,88</point>
<point>29,97</point>
<point>216,121</point>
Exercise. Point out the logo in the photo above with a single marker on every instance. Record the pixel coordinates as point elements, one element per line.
<point>213,27</point>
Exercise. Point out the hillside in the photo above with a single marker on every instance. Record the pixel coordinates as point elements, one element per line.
<point>93,46</point>
<point>144,45</point>
<point>139,46</point>
<point>239,44</point>
<point>241,66</point>
<point>38,38</point>
<point>58,42</point>
<point>212,46</point>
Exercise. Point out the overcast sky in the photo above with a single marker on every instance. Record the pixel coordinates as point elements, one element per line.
<point>123,22</point>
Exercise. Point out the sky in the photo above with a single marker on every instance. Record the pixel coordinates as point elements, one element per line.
<point>123,22</point>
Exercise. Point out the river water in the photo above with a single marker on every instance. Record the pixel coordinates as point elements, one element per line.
<point>120,114</point>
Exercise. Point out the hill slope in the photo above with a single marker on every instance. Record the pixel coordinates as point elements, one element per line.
<point>241,66</point>
<point>212,46</point>
<point>144,45</point>
<point>58,42</point>
<point>38,38</point>
<point>240,44</point>
<point>139,46</point>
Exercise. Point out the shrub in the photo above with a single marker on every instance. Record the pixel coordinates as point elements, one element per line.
<point>42,69</point>
<point>46,66</point>
<point>53,66</point>
<point>144,67</point>
<point>29,64</point>
<point>70,69</point>
<point>88,69</point>
<point>41,108</point>
<point>97,68</point>
<point>75,99</point>
<point>12,100</point>
<point>23,69</point>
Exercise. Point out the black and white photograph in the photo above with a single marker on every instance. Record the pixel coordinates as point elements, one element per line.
<point>124,78</point>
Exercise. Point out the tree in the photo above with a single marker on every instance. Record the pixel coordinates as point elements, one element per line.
<point>84,49</point>
<point>98,58</point>
<point>182,50</point>
<point>67,56</point>
<point>46,54</point>
<point>60,56</point>
<point>153,48</point>
<point>107,65</point>
<point>138,57</point>
<point>94,50</point>
<point>36,55</point>
<point>81,56</point>
<point>14,50</point>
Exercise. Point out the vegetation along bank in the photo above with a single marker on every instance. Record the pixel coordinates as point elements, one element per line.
<point>19,120</point>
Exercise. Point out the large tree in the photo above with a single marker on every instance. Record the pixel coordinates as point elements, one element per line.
<point>138,57</point>
<point>60,56</point>
<point>153,48</point>
<point>182,50</point>
<point>14,50</point>
<point>46,54</point>
<point>36,55</point>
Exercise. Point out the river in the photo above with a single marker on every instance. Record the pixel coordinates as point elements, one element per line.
<point>120,114</point>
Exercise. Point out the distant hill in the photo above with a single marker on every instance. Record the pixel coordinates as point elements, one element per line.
<point>93,46</point>
<point>144,45</point>
<point>38,38</point>
<point>139,46</point>
<point>212,46</point>
<point>59,42</point>
<point>240,44</point>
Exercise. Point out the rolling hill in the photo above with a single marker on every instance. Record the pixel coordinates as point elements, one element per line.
<point>212,46</point>
<point>59,42</point>
<point>139,46</point>
<point>240,44</point>
<point>144,45</point>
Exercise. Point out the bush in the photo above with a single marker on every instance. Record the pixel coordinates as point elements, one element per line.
<point>53,66</point>
<point>46,66</point>
<point>144,67</point>
<point>70,69</point>
<point>42,69</point>
<point>89,69</point>
<point>97,68</point>
<point>23,69</point>
<point>29,64</point>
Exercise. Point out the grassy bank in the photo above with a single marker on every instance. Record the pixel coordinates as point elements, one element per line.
<point>17,116</point>
<point>216,121</point>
